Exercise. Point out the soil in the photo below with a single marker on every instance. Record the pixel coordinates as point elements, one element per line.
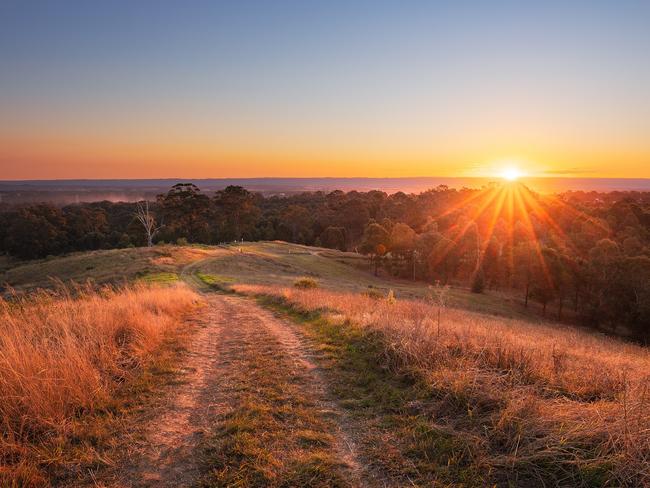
<point>167,454</point>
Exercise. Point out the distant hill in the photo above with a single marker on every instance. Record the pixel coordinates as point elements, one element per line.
<point>71,191</point>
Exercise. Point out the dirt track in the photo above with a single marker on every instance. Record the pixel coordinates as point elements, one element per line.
<point>229,327</point>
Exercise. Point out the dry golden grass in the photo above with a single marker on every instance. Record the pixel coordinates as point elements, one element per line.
<point>104,267</point>
<point>63,355</point>
<point>538,398</point>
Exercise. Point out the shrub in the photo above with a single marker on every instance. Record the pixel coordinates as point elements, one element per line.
<point>182,241</point>
<point>305,283</point>
<point>125,241</point>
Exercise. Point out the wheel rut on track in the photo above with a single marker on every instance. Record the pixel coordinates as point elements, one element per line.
<point>231,330</point>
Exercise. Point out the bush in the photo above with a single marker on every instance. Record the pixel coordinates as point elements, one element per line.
<point>125,241</point>
<point>305,283</point>
<point>182,241</point>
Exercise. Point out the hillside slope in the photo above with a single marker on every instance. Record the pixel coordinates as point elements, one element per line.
<point>266,263</point>
<point>280,264</point>
<point>345,384</point>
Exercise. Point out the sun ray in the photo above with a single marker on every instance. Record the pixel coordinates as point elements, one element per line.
<point>475,195</point>
<point>533,203</point>
<point>578,213</point>
<point>494,218</point>
<point>536,243</point>
<point>491,195</point>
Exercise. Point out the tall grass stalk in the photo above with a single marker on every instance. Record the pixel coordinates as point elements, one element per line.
<point>64,353</point>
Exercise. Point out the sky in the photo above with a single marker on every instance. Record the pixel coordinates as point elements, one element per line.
<point>153,89</point>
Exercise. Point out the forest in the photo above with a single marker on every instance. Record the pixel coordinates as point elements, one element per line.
<point>581,256</point>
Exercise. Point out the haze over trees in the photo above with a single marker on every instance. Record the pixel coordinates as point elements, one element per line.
<point>577,254</point>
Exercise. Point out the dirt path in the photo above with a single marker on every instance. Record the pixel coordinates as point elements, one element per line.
<point>163,455</point>
<point>252,318</point>
<point>234,333</point>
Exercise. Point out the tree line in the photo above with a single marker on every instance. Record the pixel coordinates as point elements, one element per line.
<point>581,253</point>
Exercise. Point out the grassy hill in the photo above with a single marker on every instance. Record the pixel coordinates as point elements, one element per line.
<point>485,395</point>
<point>258,263</point>
<point>280,263</point>
<point>112,266</point>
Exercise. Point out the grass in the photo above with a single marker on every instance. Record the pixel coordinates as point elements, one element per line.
<point>217,282</point>
<point>103,267</point>
<point>272,432</point>
<point>261,263</point>
<point>406,447</point>
<point>281,264</point>
<point>492,397</point>
<point>494,400</point>
<point>68,361</point>
<point>159,278</point>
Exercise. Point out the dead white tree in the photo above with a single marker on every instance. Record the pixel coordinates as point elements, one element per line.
<point>148,221</point>
<point>438,296</point>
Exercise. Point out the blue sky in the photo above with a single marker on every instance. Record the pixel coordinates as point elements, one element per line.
<point>323,88</point>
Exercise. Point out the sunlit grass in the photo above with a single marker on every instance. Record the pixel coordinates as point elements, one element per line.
<point>159,278</point>
<point>539,398</point>
<point>62,358</point>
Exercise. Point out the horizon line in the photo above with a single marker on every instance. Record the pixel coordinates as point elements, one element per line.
<point>18,180</point>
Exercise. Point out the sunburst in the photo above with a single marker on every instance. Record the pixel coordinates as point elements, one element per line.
<point>511,173</point>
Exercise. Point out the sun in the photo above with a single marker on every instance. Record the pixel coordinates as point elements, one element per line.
<point>508,169</point>
<point>511,173</point>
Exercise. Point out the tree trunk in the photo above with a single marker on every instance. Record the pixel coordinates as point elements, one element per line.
<point>527,293</point>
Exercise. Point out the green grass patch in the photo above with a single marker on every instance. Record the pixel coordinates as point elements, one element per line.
<point>395,428</point>
<point>159,278</point>
<point>215,281</point>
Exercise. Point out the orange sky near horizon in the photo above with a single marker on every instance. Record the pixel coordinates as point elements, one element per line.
<point>81,157</point>
<point>324,89</point>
